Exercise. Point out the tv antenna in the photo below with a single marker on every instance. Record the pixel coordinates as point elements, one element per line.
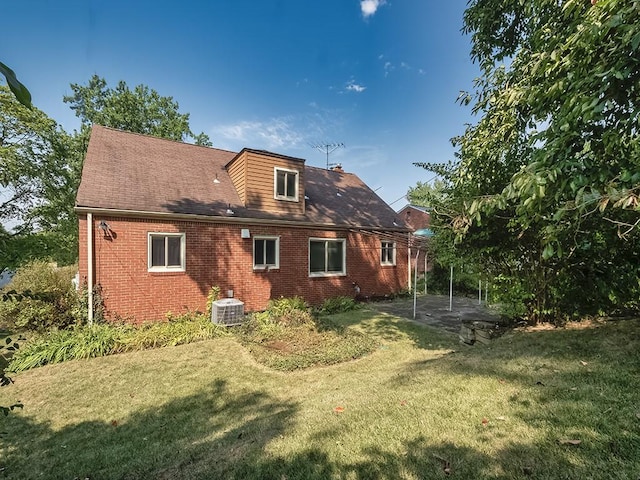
<point>327,148</point>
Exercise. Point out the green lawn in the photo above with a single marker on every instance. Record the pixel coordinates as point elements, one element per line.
<point>539,404</point>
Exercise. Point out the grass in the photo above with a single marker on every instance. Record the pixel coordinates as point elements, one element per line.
<point>418,405</point>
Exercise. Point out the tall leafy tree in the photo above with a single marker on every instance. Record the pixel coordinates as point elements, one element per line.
<point>141,110</point>
<point>37,175</point>
<point>548,180</point>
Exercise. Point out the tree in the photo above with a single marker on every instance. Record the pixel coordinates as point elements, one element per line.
<point>29,170</point>
<point>546,186</point>
<point>141,110</point>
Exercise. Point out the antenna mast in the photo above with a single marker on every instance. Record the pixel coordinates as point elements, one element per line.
<point>327,148</point>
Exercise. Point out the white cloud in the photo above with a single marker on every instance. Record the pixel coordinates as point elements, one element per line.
<point>288,134</point>
<point>352,86</point>
<point>369,7</point>
<point>275,133</point>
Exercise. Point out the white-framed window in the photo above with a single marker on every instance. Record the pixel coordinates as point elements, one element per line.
<point>266,252</point>
<point>387,253</point>
<point>166,252</point>
<point>327,256</point>
<point>285,184</point>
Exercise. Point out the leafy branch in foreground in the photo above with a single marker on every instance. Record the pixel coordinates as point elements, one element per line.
<point>545,189</point>
<point>19,90</point>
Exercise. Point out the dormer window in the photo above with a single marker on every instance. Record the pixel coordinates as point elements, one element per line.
<point>286,184</point>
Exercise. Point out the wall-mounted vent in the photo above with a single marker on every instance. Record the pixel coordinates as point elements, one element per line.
<point>228,311</point>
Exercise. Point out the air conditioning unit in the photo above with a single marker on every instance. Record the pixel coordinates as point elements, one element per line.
<point>228,311</point>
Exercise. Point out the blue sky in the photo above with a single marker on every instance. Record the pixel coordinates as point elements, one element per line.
<point>382,77</point>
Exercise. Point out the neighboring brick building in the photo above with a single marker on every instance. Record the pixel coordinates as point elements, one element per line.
<point>418,219</point>
<point>161,222</point>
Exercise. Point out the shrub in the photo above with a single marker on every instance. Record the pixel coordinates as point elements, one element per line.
<point>79,310</point>
<point>338,305</point>
<point>214,294</point>
<point>289,311</point>
<point>44,297</point>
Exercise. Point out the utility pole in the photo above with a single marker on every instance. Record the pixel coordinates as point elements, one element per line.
<point>327,148</point>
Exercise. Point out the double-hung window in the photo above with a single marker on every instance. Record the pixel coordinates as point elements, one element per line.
<point>266,252</point>
<point>166,252</point>
<point>286,184</point>
<point>388,253</point>
<point>327,257</point>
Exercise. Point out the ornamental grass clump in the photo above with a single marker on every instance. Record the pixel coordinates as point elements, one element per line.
<point>100,339</point>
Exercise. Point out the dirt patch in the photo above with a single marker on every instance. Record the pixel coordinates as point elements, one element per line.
<point>279,346</point>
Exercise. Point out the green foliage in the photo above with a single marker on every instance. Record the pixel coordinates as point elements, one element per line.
<point>338,305</point>
<point>287,337</point>
<point>80,309</point>
<point>8,347</point>
<point>546,187</point>
<point>40,172</point>
<point>19,90</point>
<point>214,295</point>
<point>289,311</point>
<point>49,301</point>
<point>100,339</point>
<point>141,110</point>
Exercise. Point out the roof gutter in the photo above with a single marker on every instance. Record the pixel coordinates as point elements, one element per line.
<point>228,219</point>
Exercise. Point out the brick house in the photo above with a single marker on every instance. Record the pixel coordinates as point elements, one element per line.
<point>418,219</point>
<point>161,222</point>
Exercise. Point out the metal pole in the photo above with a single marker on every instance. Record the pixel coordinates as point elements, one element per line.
<point>486,292</point>
<point>415,289</point>
<point>425,272</point>
<point>451,290</point>
<point>480,292</point>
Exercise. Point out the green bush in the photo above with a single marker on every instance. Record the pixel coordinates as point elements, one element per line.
<point>289,311</point>
<point>338,305</point>
<point>43,297</point>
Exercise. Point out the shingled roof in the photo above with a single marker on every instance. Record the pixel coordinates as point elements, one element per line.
<point>126,172</point>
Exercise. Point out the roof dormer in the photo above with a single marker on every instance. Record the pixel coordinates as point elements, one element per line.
<point>268,181</point>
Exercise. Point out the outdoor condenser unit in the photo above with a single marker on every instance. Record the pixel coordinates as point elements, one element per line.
<point>228,311</point>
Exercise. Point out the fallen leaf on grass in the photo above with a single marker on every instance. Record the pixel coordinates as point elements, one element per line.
<point>638,415</point>
<point>114,423</point>
<point>583,363</point>
<point>338,409</point>
<point>485,422</point>
<point>502,419</point>
<point>569,441</point>
<point>403,403</point>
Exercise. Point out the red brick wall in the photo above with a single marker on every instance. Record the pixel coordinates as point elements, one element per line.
<point>217,255</point>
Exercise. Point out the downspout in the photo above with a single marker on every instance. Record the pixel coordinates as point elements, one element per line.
<point>90,268</point>
<point>409,260</point>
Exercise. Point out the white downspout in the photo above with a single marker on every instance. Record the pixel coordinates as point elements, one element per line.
<point>90,268</point>
<point>409,261</point>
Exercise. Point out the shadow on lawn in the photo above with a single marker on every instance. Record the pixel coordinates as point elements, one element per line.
<point>210,434</point>
<point>564,384</point>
